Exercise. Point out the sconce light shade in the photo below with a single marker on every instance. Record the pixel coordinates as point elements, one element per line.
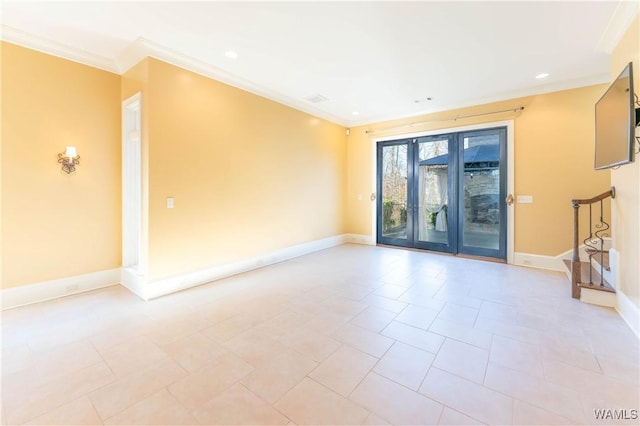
<point>69,159</point>
<point>70,152</point>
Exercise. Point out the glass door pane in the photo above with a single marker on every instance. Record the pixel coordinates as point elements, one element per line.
<point>394,170</point>
<point>433,191</point>
<point>482,193</point>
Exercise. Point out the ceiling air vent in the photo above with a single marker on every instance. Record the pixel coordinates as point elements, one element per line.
<point>316,99</point>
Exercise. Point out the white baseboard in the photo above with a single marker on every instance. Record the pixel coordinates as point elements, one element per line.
<point>133,282</point>
<point>53,289</point>
<point>360,239</point>
<point>597,297</point>
<point>614,268</point>
<point>172,284</point>
<point>629,312</point>
<point>552,263</point>
<point>39,292</point>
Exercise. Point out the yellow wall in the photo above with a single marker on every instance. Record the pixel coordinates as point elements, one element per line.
<point>248,175</point>
<point>626,179</point>
<point>1,120</point>
<point>56,225</point>
<point>554,138</point>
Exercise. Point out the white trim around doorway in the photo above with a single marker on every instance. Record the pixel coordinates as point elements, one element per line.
<point>135,224</point>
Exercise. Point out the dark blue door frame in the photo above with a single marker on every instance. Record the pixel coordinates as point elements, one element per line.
<point>393,241</point>
<point>501,251</point>
<point>456,174</point>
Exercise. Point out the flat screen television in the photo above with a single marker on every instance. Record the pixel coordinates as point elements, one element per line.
<point>615,122</point>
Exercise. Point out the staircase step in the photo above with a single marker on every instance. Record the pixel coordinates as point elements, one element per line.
<point>596,256</point>
<point>595,278</point>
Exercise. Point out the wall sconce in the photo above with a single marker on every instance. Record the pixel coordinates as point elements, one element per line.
<point>69,159</point>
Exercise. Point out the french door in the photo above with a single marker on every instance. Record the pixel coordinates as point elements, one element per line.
<point>444,192</point>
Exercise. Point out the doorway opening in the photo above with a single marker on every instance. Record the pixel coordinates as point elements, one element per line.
<point>132,246</point>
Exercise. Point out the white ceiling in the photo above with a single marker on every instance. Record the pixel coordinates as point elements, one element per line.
<point>377,58</point>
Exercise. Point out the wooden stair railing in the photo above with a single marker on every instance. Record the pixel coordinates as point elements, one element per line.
<point>594,243</point>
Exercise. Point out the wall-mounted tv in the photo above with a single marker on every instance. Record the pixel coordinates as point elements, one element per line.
<point>615,122</point>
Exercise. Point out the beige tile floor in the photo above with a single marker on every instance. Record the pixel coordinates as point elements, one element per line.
<point>349,335</point>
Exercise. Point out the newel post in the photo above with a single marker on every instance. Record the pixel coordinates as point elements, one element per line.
<point>575,260</point>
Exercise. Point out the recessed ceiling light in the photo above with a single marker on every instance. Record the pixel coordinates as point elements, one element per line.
<point>542,75</point>
<point>355,113</point>
<point>230,54</point>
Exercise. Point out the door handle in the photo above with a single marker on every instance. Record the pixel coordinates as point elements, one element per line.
<point>373,196</point>
<point>509,200</point>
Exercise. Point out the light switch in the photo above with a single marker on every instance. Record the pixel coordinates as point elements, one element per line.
<point>170,202</point>
<point>525,199</point>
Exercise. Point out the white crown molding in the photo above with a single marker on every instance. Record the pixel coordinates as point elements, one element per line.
<point>505,96</point>
<point>131,55</point>
<point>622,17</point>
<point>142,48</point>
<point>41,44</point>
